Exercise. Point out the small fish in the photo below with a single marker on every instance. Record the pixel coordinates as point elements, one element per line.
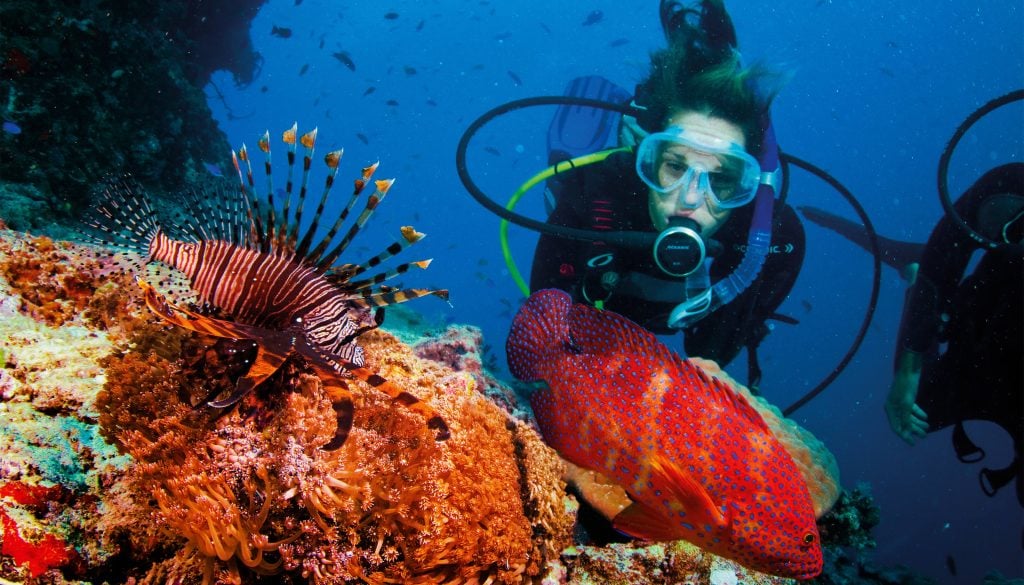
<point>280,31</point>
<point>304,69</point>
<point>478,67</point>
<point>409,71</point>
<point>213,169</point>
<point>698,462</point>
<point>806,305</point>
<point>420,25</point>
<point>545,27</point>
<point>322,42</point>
<point>392,102</point>
<point>391,16</point>
<point>515,78</point>
<point>298,2</point>
<point>594,17</point>
<point>362,138</point>
<point>951,565</point>
<point>264,89</point>
<point>369,90</point>
<point>11,128</point>
<point>618,43</point>
<point>492,150</point>
<point>886,72</point>
<point>431,102</point>
<point>345,60</point>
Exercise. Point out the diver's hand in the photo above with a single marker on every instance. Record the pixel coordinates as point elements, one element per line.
<point>906,418</point>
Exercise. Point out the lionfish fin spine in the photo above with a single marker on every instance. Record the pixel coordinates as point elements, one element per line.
<point>331,159</point>
<point>382,188</point>
<point>434,420</point>
<point>382,276</point>
<point>394,297</point>
<point>308,140</point>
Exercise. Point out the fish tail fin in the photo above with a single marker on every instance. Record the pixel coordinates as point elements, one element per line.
<point>540,328</point>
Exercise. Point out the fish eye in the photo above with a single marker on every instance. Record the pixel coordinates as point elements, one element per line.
<point>808,539</point>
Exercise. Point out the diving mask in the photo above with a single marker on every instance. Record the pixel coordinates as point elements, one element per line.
<point>676,158</point>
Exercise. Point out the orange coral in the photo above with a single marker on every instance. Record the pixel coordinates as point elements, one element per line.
<point>59,280</point>
<point>253,492</point>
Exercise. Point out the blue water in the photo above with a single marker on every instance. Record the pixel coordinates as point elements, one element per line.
<point>877,91</point>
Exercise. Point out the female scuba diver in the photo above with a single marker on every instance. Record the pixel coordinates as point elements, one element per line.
<point>703,178</point>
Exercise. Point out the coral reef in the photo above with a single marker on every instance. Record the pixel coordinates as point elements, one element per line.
<point>643,564</point>
<point>248,494</point>
<point>110,87</point>
<point>112,470</point>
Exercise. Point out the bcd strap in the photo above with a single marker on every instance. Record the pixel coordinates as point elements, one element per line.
<point>966,450</point>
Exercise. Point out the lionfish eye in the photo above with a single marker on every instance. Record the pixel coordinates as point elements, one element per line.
<point>809,539</point>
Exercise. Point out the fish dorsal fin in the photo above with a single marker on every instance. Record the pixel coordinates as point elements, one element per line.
<point>724,394</point>
<point>642,521</point>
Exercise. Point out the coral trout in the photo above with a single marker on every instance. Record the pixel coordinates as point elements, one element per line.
<point>698,462</point>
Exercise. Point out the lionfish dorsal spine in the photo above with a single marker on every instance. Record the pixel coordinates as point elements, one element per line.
<point>332,160</point>
<point>381,191</point>
<point>271,230</point>
<point>249,194</point>
<point>308,140</point>
<point>314,256</point>
<point>291,139</point>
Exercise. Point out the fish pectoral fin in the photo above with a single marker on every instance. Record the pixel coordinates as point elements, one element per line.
<point>641,521</point>
<point>700,508</point>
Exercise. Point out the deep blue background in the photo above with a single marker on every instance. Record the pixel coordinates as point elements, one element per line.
<point>878,89</point>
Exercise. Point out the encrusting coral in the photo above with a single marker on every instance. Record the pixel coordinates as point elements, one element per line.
<point>254,493</point>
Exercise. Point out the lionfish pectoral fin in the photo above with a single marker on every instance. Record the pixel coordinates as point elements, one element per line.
<point>341,401</point>
<point>272,347</point>
<point>182,317</point>
<point>434,420</point>
<point>268,360</point>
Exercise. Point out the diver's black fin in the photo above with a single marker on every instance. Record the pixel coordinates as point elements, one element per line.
<point>895,253</point>
<point>578,130</point>
<point>703,24</point>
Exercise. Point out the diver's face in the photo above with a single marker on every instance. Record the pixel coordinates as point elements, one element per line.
<point>687,200</point>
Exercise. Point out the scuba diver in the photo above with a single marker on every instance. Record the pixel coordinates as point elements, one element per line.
<point>701,175</point>
<point>958,354</point>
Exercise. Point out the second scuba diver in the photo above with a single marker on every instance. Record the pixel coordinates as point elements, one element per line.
<point>703,177</point>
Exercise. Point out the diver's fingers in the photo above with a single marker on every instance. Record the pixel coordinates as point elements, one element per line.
<point>919,413</point>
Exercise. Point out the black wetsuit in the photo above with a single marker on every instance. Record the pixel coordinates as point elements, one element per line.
<point>980,373</point>
<point>609,196</point>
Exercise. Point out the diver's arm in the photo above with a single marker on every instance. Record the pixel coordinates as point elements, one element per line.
<point>906,418</point>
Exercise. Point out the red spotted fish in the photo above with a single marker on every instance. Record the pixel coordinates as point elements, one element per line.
<point>698,462</point>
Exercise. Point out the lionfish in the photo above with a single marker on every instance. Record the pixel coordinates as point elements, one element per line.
<point>246,257</point>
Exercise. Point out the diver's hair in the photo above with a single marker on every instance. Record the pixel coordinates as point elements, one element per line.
<point>685,78</point>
